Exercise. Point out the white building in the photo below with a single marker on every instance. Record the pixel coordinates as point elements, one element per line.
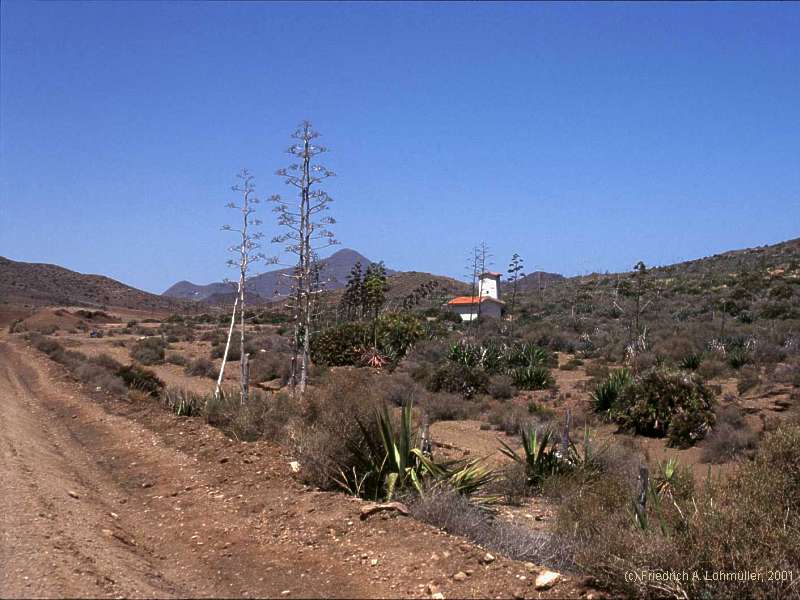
<point>488,298</point>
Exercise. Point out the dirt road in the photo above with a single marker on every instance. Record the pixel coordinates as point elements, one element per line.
<point>103,498</point>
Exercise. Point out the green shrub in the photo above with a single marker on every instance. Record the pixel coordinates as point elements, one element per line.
<point>149,351</point>
<point>662,403</point>
<point>141,379</point>
<point>398,333</point>
<point>459,379</point>
<point>341,345</point>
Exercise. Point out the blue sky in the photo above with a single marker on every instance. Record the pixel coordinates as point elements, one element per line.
<point>583,136</point>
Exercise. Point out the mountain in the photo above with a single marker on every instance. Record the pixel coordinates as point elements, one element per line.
<point>535,280</point>
<point>37,283</point>
<point>273,284</point>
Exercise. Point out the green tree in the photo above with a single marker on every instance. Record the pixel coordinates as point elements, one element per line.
<point>375,288</point>
<point>353,299</point>
<point>514,275</point>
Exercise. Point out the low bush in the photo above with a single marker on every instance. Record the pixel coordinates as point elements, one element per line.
<point>149,351</point>
<point>263,416</point>
<point>174,358</point>
<point>341,345</point>
<point>141,379</point>
<point>448,407</point>
<point>328,436</point>
<point>712,367</point>
<point>730,438</point>
<point>460,379</point>
<point>501,387</point>
<point>218,349</point>
<point>572,364</point>
<point>748,378</point>
<point>267,366</point>
<point>202,367</point>
<point>663,403</point>
<point>750,518</point>
<point>455,514</point>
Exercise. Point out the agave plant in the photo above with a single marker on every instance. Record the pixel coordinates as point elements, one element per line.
<point>397,462</point>
<point>464,353</point>
<point>532,377</point>
<point>691,362</point>
<point>541,457</point>
<point>372,357</point>
<point>183,403</point>
<point>526,355</point>
<point>607,392</point>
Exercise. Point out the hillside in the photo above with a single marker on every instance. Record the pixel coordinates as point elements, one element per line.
<point>272,284</point>
<point>738,293</point>
<point>38,283</point>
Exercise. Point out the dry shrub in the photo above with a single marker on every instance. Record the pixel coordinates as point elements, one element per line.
<point>712,367</point>
<point>749,522</point>
<point>174,358</point>
<point>266,366</point>
<point>99,377</point>
<point>455,514</point>
<point>513,418</point>
<point>730,438</point>
<point>263,416</point>
<point>328,429</point>
<point>399,389</point>
<point>449,407</point>
<point>149,351</point>
<point>501,387</point>
<point>749,378</point>
<point>788,373</point>
<point>202,367</point>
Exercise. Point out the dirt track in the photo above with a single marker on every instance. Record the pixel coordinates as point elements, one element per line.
<point>168,507</point>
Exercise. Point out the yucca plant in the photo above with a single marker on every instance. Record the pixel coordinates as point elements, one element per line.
<point>465,354</point>
<point>396,462</point>
<point>607,392</point>
<point>738,356</point>
<point>526,355</point>
<point>540,454</point>
<point>183,403</point>
<point>691,362</point>
<point>492,358</point>
<point>532,377</point>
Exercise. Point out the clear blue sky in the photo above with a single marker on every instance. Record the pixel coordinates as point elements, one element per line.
<point>583,136</point>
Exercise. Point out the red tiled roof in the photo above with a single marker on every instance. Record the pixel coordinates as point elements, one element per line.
<point>492,273</point>
<point>461,300</point>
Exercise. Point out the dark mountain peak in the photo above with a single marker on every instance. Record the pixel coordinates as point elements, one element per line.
<point>273,285</point>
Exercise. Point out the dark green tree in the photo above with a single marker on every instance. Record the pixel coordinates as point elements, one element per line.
<point>515,273</point>
<point>353,299</point>
<point>375,288</point>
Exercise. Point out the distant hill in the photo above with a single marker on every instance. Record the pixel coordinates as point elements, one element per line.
<point>532,281</point>
<point>752,285</point>
<point>42,284</point>
<point>273,285</point>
